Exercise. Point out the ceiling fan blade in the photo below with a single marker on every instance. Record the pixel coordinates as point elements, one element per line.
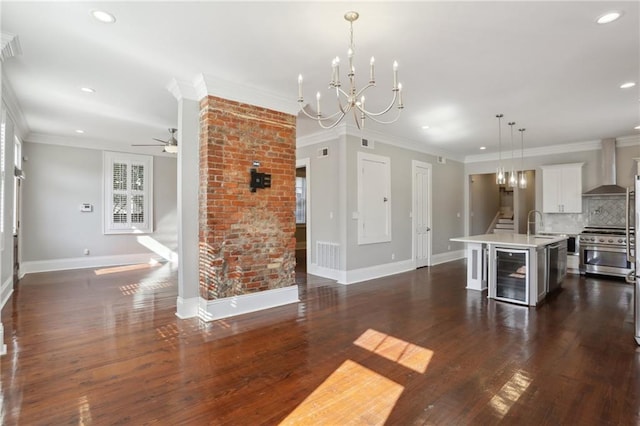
<point>160,140</point>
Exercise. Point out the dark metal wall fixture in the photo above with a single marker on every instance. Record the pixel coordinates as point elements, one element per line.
<point>259,180</point>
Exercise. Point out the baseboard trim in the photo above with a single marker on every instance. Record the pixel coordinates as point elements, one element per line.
<point>378,271</point>
<point>448,256</point>
<point>211,310</point>
<point>86,262</point>
<point>187,308</point>
<point>332,274</point>
<point>6,291</point>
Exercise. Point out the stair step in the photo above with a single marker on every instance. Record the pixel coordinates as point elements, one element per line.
<point>502,220</point>
<point>503,231</point>
<point>504,225</point>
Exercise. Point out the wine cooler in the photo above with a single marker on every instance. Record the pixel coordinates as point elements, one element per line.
<point>512,275</point>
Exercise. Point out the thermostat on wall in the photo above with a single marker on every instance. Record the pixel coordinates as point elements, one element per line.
<point>86,207</point>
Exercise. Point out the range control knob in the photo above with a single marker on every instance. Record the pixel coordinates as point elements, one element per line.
<point>610,240</point>
<point>620,240</point>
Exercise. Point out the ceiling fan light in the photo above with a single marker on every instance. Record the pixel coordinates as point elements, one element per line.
<point>171,149</point>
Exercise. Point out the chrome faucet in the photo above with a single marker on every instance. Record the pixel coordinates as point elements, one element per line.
<point>534,220</point>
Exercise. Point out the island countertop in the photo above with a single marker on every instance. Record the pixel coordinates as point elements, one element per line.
<point>513,240</point>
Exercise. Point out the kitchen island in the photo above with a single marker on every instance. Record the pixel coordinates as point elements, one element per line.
<point>516,268</point>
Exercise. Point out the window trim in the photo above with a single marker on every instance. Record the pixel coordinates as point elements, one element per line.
<point>109,227</point>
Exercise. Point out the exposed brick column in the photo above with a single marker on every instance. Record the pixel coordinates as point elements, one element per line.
<point>246,239</point>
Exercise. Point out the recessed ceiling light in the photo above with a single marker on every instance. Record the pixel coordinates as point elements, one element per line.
<point>425,127</point>
<point>608,17</point>
<point>103,16</point>
<point>79,131</point>
<point>637,127</point>
<point>627,85</point>
<point>483,147</point>
<point>88,89</point>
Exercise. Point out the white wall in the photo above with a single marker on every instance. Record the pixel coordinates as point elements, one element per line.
<point>55,231</point>
<point>334,200</point>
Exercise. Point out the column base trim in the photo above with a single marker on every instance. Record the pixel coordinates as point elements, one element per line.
<point>187,308</point>
<point>211,310</point>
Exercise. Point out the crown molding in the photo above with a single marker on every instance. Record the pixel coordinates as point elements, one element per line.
<point>318,137</point>
<point>631,140</point>
<point>183,90</point>
<point>540,151</point>
<point>10,100</point>
<point>9,46</point>
<point>397,141</point>
<point>89,143</point>
<point>207,85</point>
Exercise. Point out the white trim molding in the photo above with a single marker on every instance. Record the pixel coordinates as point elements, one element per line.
<point>377,271</point>
<point>6,292</point>
<point>187,308</point>
<point>211,310</point>
<point>34,266</point>
<point>209,85</point>
<point>448,256</point>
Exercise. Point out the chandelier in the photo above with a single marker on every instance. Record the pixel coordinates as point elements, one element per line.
<point>350,99</point>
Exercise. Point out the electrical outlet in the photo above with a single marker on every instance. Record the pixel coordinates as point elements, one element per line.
<point>86,252</point>
<point>393,256</point>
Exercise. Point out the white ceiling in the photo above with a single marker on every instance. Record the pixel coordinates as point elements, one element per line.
<point>545,65</point>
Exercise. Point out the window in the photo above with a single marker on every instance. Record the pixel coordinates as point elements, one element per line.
<point>301,200</point>
<point>128,189</point>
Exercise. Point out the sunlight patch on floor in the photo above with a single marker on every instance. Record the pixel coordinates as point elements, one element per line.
<point>510,393</point>
<point>352,394</point>
<point>136,288</point>
<point>126,268</point>
<point>404,353</point>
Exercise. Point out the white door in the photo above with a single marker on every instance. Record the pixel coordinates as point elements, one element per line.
<point>421,213</point>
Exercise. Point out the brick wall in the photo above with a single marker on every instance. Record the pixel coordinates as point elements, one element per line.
<point>247,241</point>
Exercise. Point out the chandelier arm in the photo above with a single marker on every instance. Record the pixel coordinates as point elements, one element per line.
<point>315,116</point>
<point>386,110</point>
<point>361,91</point>
<point>377,120</point>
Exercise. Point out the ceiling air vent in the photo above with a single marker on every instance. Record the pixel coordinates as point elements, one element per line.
<point>323,152</point>
<point>366,143</point>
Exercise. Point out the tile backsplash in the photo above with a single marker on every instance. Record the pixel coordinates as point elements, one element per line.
<point>605,211</point>
<point>596,211</point>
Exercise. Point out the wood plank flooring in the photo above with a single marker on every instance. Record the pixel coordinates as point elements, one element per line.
<point>105,348</point>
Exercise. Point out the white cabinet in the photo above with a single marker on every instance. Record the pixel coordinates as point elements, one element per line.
<point>562,188</point>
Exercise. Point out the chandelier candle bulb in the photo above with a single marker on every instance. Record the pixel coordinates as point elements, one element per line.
<point>299,87</point>
<point>371,77</point>
<point>318,103</point>
<point>395,75</point>
<point>400,105</point>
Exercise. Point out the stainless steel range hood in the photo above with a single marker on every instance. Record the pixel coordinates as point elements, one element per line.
<point>608,186</point>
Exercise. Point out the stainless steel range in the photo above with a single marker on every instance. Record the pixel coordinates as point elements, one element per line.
<point>603,251</point>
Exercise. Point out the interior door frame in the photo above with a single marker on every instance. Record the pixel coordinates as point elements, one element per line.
<point>415,164</point>
<point>306,163</point>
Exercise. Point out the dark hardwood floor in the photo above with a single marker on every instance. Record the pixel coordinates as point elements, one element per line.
<point>105,347</point>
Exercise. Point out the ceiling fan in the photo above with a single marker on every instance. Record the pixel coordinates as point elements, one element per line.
<point>170,146</point>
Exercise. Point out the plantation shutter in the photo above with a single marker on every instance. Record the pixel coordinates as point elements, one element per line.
<point>128,193</point>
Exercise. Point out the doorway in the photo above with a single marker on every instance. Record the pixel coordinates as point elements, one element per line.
<point>303,214</point>
<point>491,206</point>
<point>421,216</point>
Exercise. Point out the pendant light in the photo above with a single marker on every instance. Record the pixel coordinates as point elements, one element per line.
<point>501,179</point>
<point>513,177</point>
<point>522,176</point>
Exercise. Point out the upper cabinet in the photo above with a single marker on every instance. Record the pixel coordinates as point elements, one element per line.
<point>562,188</point>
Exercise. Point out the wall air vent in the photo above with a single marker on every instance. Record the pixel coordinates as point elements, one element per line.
<point>323,152</point>
<point>366,143</point>
<point>441,160</point>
